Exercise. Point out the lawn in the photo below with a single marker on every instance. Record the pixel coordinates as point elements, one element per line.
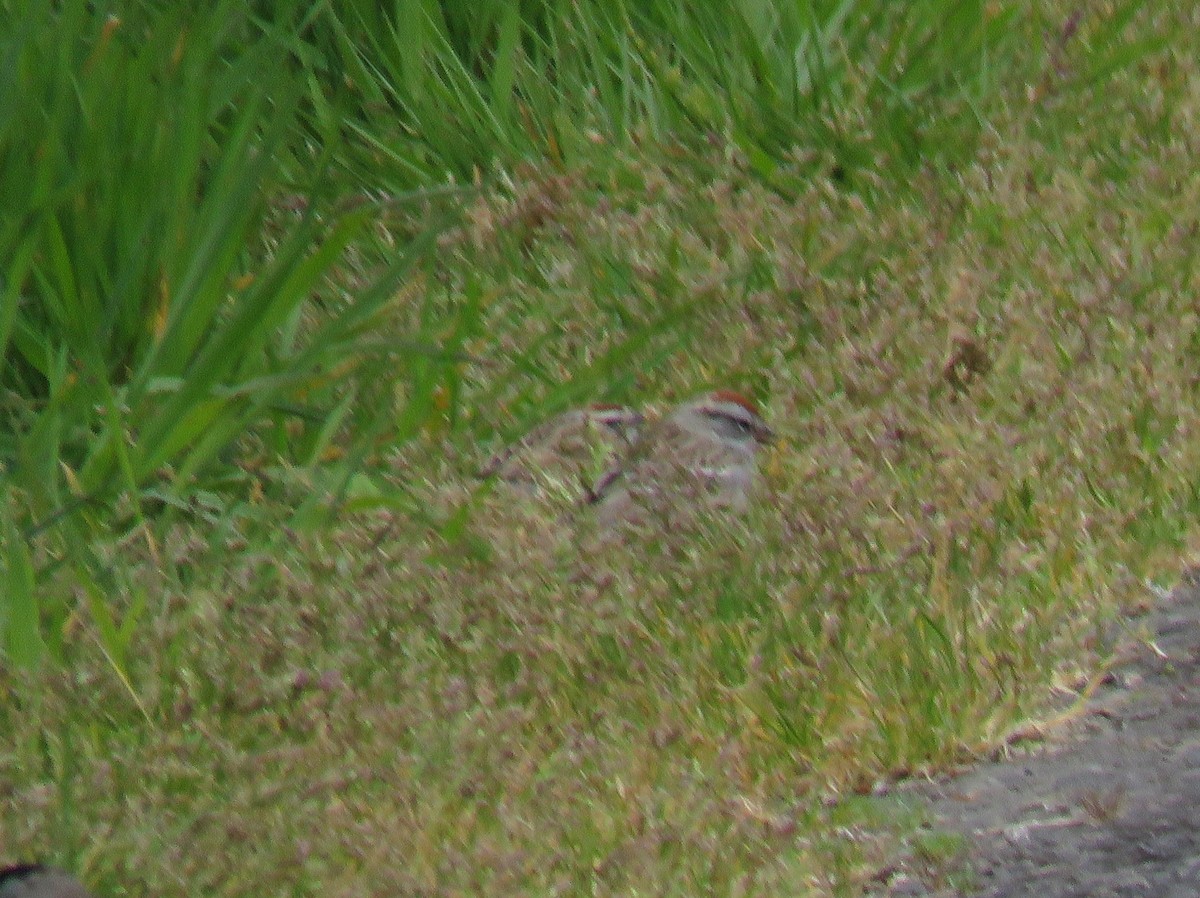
<point>274,287</point>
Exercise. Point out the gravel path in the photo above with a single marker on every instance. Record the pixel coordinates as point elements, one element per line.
<point>1111,808</point>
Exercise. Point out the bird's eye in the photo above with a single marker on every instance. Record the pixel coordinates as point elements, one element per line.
<point>732,426</point>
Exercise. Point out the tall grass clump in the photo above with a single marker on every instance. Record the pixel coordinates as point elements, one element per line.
<point>849,87</point>
<point>154,307</point>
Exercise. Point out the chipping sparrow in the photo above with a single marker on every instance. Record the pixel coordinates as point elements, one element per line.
<point>567,452</point>
<point>36,881</point>
<point>705,449</point>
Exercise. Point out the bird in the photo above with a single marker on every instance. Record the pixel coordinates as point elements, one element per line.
<point>704,452</point>
<point>567,452</point>
<point>38,881</point>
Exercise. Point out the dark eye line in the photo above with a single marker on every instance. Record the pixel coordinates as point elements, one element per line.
<point>740,424</point>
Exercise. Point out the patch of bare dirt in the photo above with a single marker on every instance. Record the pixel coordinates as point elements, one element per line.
<point>1110,807</point>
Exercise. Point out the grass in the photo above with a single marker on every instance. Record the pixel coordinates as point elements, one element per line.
<point>980,362</point>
